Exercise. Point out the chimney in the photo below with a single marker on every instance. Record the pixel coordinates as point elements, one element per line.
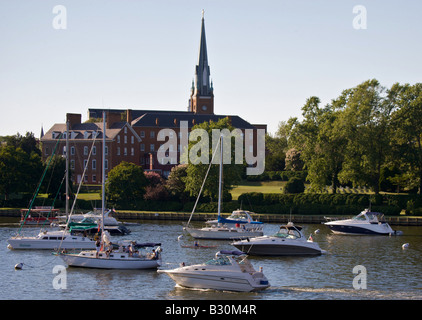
<point>151,162</point>
<point>111,118</point>
<point>73,119</point>
<point>129,116</point>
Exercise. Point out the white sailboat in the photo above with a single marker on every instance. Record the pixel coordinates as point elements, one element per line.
<point>109,255</point>
<point>224,229</point>
<point>54,239</point>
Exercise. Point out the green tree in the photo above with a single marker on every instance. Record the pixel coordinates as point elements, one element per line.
<point>365,119</point>
<point>126,184</point>
<point>196,172</point>
<point>176,182</point>
<point>406,139</point>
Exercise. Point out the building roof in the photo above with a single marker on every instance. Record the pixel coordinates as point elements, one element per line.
<point>170,119</point>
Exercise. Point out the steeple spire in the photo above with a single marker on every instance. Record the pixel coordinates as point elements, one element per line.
<point>202,97</point>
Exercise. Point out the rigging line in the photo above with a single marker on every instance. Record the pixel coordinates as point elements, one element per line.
<point>54,200</point>
<point>39,185</point>
<point>203,183</point>
<point>77,193</point>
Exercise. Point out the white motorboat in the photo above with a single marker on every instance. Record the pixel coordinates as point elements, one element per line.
<point>365,223</point>
<point>228,271</point>
<point>94,215</point>
<point>107,255</point>
<point>51,240</point>
<point>225,228</point>
<point>288,241</point>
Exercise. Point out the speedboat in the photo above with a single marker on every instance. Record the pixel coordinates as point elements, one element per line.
<point>95,215</point>
<point>228,271</point>
<point>122,255</point>
<point>89,226</point>
<point>51,240</point>
<point>365,223</point>
<point>288,241</point>
<point>240,217</point>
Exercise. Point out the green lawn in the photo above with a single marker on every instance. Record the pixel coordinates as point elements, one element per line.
<point>258,186</point>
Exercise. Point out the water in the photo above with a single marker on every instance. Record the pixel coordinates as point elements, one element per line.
<point>392,273</point>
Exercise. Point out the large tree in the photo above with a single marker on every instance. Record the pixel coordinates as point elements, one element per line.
<point>196,172</point>
<point>126,184</point>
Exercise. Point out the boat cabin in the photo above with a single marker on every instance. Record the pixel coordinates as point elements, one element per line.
<point>371,217</point>
<point>289,231</point>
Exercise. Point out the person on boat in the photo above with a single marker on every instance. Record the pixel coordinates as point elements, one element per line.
<point>97,246</point>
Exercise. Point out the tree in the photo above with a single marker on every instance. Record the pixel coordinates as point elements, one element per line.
<point>176,182</point>
<point>156,189</point>
<point>196,172</point>
<point>126,184</point>
<point>407,128</point>
<point>365,119</point>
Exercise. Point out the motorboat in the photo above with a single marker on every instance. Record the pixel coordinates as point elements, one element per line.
<point>227,271</point>
<point>51,240</point>
<point>365,223</point>
<point>89,226</point>
<point>240,217</point>
<point>95,215</point>
<point>39,216</point>
<point>241,227</point>
<point>288,241</point>
<point>122,255</point>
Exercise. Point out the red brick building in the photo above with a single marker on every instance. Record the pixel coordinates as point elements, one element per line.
<point>133,135</point>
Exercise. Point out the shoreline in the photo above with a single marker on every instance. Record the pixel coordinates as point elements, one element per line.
<point>266,218</point>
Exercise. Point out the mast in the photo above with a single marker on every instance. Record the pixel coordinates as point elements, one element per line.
<point>67,170</point>
<point>103,174</point>
<point>221,176</point>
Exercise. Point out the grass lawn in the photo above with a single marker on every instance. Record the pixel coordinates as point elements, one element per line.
<point>257,186</point>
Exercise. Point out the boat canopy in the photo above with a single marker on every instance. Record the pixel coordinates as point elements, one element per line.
<point>238,216</point>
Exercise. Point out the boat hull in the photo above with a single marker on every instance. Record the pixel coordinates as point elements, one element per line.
<point>222,234</point>
<point>277,250</point>
<point>218,281</point>
<point>75,260</point>
<point>22,243</point>
<point>349,229</point>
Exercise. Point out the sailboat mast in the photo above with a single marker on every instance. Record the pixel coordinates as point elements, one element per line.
<point>67,170</point>
<point>103,173</point>
<point>220,179</point>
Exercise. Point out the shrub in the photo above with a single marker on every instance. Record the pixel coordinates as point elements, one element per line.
<point>294,185</point>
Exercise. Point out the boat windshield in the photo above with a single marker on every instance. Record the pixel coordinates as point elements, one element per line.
<point>287,234</point>
<point>220,261</point>
<point>360,216</point>
<point>239,215</point>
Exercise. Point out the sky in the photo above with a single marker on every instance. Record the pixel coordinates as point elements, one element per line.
<point>266,57</point>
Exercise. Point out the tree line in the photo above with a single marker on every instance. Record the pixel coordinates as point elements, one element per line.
<point>369,135</point>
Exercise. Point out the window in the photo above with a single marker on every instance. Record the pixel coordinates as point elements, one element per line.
<point>85,151</point>
<point>118,151</point>
<point>125,139</point>
<point>106,164</point>
<point>85,163</point>
<point>118,139</point>
<point>132,151</point>
<point>64,150</point>
<point>94,150</point>
<point>152,134</point>
<point>151,147</point>
<point>142,134</point>
<point>85,178</point>
<point>72,151</point>
<point>94,178</point>
<point>46,151</point>
<point>94,164</point>
<point>106,150</point>
<point>125,151</point>
<point>132,139</point>
<point>142,147</point>
<point>72,164</point>
<point>125,129</point>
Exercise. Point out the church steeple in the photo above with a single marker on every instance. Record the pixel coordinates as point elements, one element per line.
<point>202,97</point>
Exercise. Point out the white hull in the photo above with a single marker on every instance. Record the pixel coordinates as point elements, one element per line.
<point>217,281</point>
<point>91,261</point>
<point>217,233</point>
<point>28,243</point>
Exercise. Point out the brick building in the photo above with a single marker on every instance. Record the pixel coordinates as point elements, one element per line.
<point>132,135</point>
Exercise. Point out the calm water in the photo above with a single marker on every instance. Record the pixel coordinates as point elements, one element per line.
<point>392,273</point>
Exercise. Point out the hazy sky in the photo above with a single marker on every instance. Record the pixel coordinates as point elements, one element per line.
<point>266,57</point>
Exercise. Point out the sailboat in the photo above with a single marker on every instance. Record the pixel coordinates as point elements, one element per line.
<point>54,239</point>
<point>123,255</point>
<point>224,229</point>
